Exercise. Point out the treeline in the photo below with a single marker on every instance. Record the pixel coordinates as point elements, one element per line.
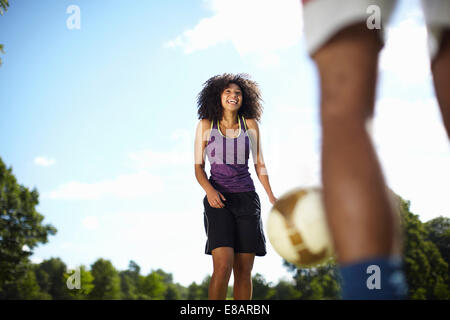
<point>48,280</point>
<point>426,258</point>
<point>51,279</point>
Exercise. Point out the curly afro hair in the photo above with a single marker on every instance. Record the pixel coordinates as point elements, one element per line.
<point>209,99</point>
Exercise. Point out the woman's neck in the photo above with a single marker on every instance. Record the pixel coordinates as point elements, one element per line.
<point>229,119</point>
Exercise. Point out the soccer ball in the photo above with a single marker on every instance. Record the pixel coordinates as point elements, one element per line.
<point>297,228</point>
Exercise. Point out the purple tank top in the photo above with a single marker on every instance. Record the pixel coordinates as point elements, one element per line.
<point>229,160</point>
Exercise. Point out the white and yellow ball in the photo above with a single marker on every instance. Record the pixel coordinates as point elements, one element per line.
<point>297,228</point>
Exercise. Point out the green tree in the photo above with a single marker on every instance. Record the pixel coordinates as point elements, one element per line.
<point>25,288</point>
<point>50,275</point>
<point>4,4</point>
<point>153,286</point>
<point>439,233</point>
<point>285,290</point>
<point>172,292</point>
<point>166,277</point>
<point>86,284</point>
<point>2,51</point>
<point>261,288</point>
<point>127,286</point>
<point>106,281</point>
<point>204,288</point>
<point>129,281</point>
<point>21,228</point>
<point>182,291</point>
<point>194,291</point>
<point>321,282</point>
<point>28,287</point>
<point>426,270</point>
<point>134,271</point>
<point>200,292</point>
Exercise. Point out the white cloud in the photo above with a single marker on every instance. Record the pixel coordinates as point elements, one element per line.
<point>256,28</point>
<point>180,153</point>
<point>90,222</point>
<point>140,184</point>
<point>36,260</point>
<point>181,135</point>
<point>149,159</point>
<point>291,151</point>
<point>405,55</point>
<point>66,245</point>
<point>44,161</point>
<point>410,126</point>
<point>414,151</point>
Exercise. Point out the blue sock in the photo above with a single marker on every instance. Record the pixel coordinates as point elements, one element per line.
<point>380,278</point>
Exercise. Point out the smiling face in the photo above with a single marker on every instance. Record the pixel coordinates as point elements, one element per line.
<point>232,97</point>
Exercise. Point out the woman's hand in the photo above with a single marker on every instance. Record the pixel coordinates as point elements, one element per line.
<point>272,199</point>
<point>215,199</point>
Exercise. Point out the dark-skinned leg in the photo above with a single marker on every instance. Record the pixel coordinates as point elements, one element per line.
<point>242,272</point>
<point>359,212</point>
<point>223,264</point>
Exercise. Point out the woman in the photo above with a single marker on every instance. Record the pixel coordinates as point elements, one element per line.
<point>229,108</point>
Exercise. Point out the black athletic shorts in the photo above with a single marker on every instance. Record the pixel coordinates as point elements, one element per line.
<point>237,225</point>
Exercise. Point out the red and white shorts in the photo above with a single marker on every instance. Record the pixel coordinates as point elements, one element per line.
<point>324,18</point>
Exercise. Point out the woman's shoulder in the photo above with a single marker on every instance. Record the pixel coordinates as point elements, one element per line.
<point>206,121</point>
<point>205,124</point>
<point>251,123</point>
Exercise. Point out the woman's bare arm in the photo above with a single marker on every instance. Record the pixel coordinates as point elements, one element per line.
<point>201,139</point>
<point>258,160</point>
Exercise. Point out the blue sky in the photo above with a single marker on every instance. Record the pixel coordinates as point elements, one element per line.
<point>101,120</point>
